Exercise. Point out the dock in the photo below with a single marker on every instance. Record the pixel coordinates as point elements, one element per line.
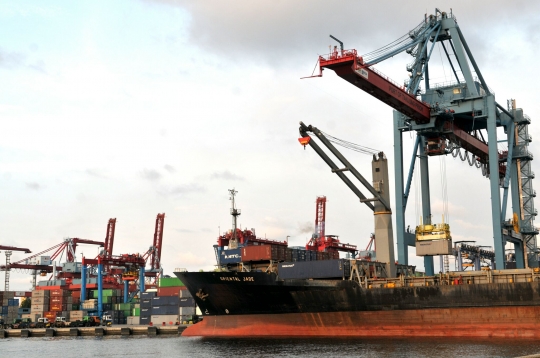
<point>123,330</point>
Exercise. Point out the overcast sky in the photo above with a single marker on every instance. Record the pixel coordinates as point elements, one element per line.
<point>127,109</point>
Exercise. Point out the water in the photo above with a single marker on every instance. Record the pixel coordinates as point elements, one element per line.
<point>109,347</point>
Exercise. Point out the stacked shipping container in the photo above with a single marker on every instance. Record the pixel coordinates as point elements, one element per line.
<point>10,306</point>
<point>254,253</point>
<point>170,304</point>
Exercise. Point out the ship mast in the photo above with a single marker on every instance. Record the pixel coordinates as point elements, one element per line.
<point>234,212</point>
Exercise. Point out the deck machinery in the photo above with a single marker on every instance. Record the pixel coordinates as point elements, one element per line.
<point>450,119</point>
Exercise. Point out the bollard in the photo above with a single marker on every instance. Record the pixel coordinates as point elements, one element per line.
<point>25,333</point>
<point>49,332</point>
<point>152,331</point>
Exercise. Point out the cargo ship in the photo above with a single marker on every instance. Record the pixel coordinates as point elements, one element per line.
<point>263,288</point>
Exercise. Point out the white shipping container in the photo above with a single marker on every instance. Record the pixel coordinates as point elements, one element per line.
<point>164,320</point>
<point>39,260</point>
<point>134,320</point>
<point>41,293</point>
<point>186,311</point>
<point>184,294</point>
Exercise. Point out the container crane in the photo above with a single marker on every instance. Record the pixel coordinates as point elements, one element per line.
<point>154,252</point>
<point>38,263</point>
<point>449,118</point>
<point>8,251</point>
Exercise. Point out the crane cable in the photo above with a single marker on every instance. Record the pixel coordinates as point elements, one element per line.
<point>349,145</point>
<point>444,188</point>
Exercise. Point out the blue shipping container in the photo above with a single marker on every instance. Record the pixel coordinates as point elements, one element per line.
<point>148,295</point>
<point>144,320</point>
<point>4,310</point>
<point>13,302</point>
<point>339,268</point>
<point>165,301</point>
<point>146,303</point>
<point>187,302</point>
<point>232,256</point>
<point>164,310</point>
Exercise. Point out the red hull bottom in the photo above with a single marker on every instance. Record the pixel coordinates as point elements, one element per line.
<point>501,322</point>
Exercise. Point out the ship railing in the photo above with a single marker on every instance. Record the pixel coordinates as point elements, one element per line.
<point>372,275</point>
<point>180,270</point>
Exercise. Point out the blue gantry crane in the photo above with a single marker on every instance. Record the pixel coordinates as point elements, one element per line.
<point>458,118</point>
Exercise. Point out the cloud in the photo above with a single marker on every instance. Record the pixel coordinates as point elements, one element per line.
<point>95,173</point>
<point>33,186</point>
<point>181,190</point>
<point>226,175</point>
<point>277,32</point>
<point>150,174</point>
<point>169,168</point>
<point>11,59</point>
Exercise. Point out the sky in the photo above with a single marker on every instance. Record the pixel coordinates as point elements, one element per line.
<point>127,109</point>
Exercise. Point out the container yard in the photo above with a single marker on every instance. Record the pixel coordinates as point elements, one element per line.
<point>106,292</point>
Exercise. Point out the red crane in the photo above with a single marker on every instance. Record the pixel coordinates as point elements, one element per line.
<point>154,252</point>
<point>8,250</point>
<point>351,67</point>
<point>109,242</point>
<point>322,242</point>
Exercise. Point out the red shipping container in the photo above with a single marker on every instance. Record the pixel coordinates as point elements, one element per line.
<point>60,292</point>
<point>169,291</point>
<point>57,307</point>
<point>76,294</point>
<point>60,300</point>
<point>50,315</point>
<point>260,253</point>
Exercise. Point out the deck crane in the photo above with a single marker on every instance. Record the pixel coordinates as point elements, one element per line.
<point>326,243</point>
<point>8,250</point>
<point>449,118</point>
<point>379,203</point>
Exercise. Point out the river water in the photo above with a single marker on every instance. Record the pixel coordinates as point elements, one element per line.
<point>108,347</point>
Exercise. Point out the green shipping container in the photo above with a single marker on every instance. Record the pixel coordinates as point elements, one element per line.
<point>136,312</point>
<point>108,293</point>
<point>170,282</point>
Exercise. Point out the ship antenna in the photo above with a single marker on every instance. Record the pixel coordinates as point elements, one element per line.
<point>235,213</point>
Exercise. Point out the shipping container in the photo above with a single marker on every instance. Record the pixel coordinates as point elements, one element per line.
<point>72,267</point>
<point>315,269</point>
<point>39,308</point>
<point>231,256</point>
<point>170,291</point>
<point>164,310</point>
<point>40,300</point>
<point>165,301</point>
<point>146,312</point>
<point>169,282</point>
<point>186,311</point>
<point>13,302</point>
<point>148,294</point>
<point>145,320</point>
<point>60,292</point>
<point>39,260</point>
<point>133,320</point>
<point>185,293</point>
<point>164,320</point>
<point>186,302</point>
<point>146,303</point>
<point>262,253</point>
